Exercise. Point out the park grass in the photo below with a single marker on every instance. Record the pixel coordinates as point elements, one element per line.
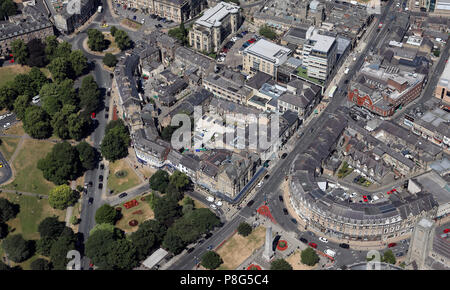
<point>120,184</point>
<point>32,211</point>
<point>295,261</point>
<point>197,204</point>
<point>238,248</point>
<point>16,129</point>
<point>8,146</point>
<point>131,24</point>
<point>7,73</point>
<point>127,215</point>
<point>28,177</point>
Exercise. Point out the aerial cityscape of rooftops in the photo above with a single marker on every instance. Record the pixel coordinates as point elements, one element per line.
<point>224,135</point>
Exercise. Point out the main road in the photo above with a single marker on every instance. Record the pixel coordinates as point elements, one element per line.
<point>272,185</point>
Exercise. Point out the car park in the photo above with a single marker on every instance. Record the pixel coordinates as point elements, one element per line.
<point>122,195</point>
<point>323,240</point>
<point>313,245</point>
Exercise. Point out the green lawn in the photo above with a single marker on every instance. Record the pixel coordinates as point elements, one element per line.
<point>28,177</point>
<point>119,183</point>
<point>32,212</point>
<point>301,72</point>
<point>8,73</point>
<point>345,170</point>
<point>8,146</point>
<point>141,213</point>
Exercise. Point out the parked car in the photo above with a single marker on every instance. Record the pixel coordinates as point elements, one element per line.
<point>280,198</point>
<point>100,185</point>
<point>284,155</point>
<point>100,177</point>
<point>294,221</point>
<point>399,254</point>
<point>303,240</point>
<point>446,230</point>
<point>323,240</point>
<point>313,245</point>
<point>190,250</point>
<point>392,245</point>
<point>285,211</point>
<point>344,245</point>
<point>91,200</point>
<point>250,203</point>
<point>122,195</point>
<point>102,166</point>
<point>210,248</point>
<point>267,176</point>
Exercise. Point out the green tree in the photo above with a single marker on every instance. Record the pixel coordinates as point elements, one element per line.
<point>144,240</point>
<point>173,243</point>
<point>122,40</point>
<point>309,257</point>
<point>87,155</point>
<point>62,197</point>
<point>159,181</point>
<point>155,227</point>
<point>211,260</point>
<point>89,94</point>
<point>110,60</point>
<point>36,52</point>
<point>20,106</point>
<point>152,200</point>
<point>51,227</point>
<point>106,214</point>
<point>78,125</point>
<point>17,248</point>
<point>61,164</point>
<point>55,95</point>
<point>60,121</point>
<point>115,144</point>
<point>179,179</point>
<point>23,85</point>
<point>8,95</point>
<point>40,265</point>
<point>36,123</point>
<point>20,51</point>
<point>51,46</point>
<point>8,210</point>
<point>389,257</point>
<point>173,192</point>
<point>96,40</point>
<point>267,32</point>
<point>38,79</point>
<point>60,248</point>
<point>60,68</point>
<point>113,30</point>
<point>280,264</point>
<point>78,62</point>
<point>122,255</point>
<point>63,49</point>
<point>3,230</point>
<point>244,229</point>
<point>7,8</point>
<point>44,245</point>
<point>103,227</point>
<point>166,210</point>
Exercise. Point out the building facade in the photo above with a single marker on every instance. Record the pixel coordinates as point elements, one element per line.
<point>216,24</point>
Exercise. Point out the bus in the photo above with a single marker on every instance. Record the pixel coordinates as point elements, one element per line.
<point>332,91</point>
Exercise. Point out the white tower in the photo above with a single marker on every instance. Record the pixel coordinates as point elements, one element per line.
<point>268,252</point>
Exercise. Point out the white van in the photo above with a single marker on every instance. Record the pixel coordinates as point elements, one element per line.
<point>330,253</point>
<point>35,99</point>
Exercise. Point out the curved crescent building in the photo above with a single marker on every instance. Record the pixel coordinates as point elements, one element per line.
<point>335,216</point>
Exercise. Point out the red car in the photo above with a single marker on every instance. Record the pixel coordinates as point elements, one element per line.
<point>93,115</point>
<point>447,231</point>
<point>392,245</point>
<point>251,40</point>
<point>393,190</point>
<point>389,192</point>
<point>365,198</point>
<point>313,245</point>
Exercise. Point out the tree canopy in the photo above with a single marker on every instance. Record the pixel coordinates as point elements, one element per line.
<point>19,50</point>
<point>179,179</point>
<point>159,181</point>
<point>309,257</point>
<point>8,210</point>
<point>96,40</point>
<point>36,53</point>
<point>115,143</point>
<point>110,60</point>
<point>61,164</point>
<point>17,248</point>
<point>40,265</point>
<point>88,155</point>
<point>36,123</point>
<point>211,260</point>
<point>51,227</point>
<point>89,94</point>
<point>244,229</point>
<point>106,214</point>
<point>389,257</point>
<point>62,197</point>
<point>280,264</point>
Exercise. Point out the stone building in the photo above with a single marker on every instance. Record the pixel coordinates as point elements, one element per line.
<point>216,24</point>
<point>32,23</point>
